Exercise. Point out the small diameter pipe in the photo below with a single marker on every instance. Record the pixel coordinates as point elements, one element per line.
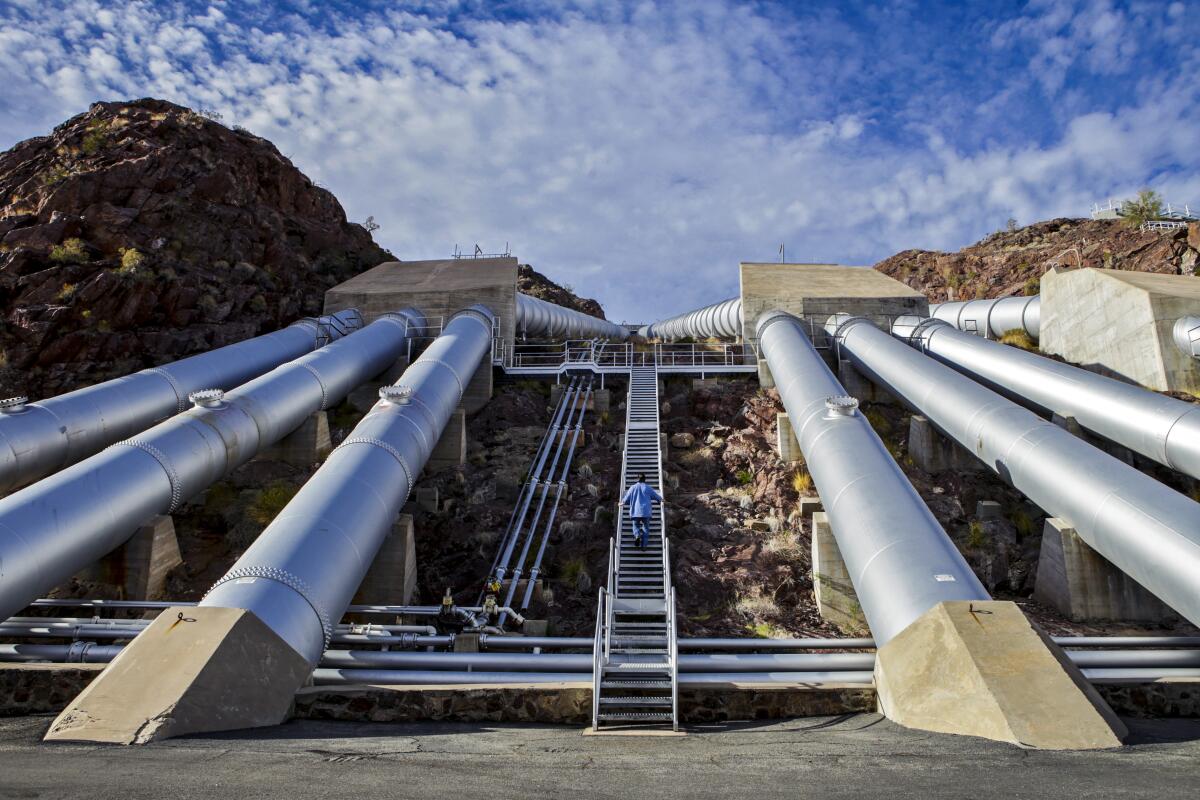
<point>1143,527</point>
<point>40,438</point>
<point>388,677</point>
<point>58,526</point>
<point>1157,426</point>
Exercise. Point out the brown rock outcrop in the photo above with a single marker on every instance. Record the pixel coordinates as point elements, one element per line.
<point>141,232</point>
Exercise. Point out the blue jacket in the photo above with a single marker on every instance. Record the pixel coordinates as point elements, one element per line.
<point>639,497</point>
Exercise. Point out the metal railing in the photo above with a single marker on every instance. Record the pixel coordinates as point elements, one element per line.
<point>598,658</point>
<point>673,656</point>
<point>603,356</point>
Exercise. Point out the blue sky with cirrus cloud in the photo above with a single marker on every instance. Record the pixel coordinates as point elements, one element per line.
<point>637,151</point>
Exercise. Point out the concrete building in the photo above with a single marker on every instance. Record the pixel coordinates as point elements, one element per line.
<point>1118,323</point>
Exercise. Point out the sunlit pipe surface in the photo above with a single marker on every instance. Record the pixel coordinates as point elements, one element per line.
<point>56,527</point>
<point>300,575</point>
<point>992,318</point>
<point>40,438</point>
<point>721,320</point>
<point>542,320</point>
<point>1157,426</point>
<point>901,561</point>
<point>1137,523</point>
<point>1186,335</point>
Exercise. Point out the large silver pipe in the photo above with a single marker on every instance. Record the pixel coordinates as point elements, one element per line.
<point>1137,523</point>
<point>542,320</point>
<point>992,319</point>
<point>311,559</point>
<point>1186,335</point>
<point>721,320</point>
<point>59,525</point>
<point>901,561</point>
<point>1155,425</point>
<point>37,439</point>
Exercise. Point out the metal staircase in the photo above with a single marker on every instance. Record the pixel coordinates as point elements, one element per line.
<point>635,660</point>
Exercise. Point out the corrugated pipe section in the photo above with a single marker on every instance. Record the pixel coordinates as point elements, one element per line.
<point>56,527</point>
<point>37,439</point>
<point>1157,426</point>
<point>992,319</point>
<point>721,320</point>
<point>300,575</point>
<point>901,561</point>
<point>1137,523</point>
<point>539,319</point>
<point>1186,335</point>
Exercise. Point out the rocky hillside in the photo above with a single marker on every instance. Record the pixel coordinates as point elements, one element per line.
<point>1012,262</point>
<point>141,232</point>
<point>534,283</point>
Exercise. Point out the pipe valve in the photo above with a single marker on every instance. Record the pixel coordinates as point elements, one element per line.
<point>840,406</point>
<point>207,398</point>
<point>13,405</point>
<point>396,395</point>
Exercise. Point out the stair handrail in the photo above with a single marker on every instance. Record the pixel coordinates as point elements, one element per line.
<point>673,654</point>
<point>597,666</point>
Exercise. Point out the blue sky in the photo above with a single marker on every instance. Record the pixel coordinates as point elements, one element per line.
<point>638,151</point>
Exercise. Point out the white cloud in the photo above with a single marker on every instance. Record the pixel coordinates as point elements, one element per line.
<point>636,157</point>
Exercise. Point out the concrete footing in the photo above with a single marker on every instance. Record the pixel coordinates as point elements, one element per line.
<point>426,498</point>
<point>837,601</point>
<point>1085,586</point>
<point>193,670</point>
<point>808,506</point>
<point>601,400</point>
<point>451,448</point>
<point>140,566</point>
<point>981,668</point>
<point>307,445</point>
<point>765,379</point>
<point>392,578</point>
<point>785,440</point>
<point>478,390</point>
<point>934,453</point>
<point>858,385</point>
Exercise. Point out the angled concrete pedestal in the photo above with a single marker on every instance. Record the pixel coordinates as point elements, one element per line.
<point>858,385</point>
<point>837,602</point>
<point>140,566</point>
<point>934,453</point>
<point>1085,586</point>
<point>601,400</point>
<point>765,379</point>
<point>307,445</point>
<point>392,578</point>
<point>478,390</point>
<point>981,668</point>
<point>785,440</point>
<point>451,448</point>
<point>193,670</point>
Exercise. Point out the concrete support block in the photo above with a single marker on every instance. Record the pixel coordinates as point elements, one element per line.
<point>703,384</point>
<point>987,509</point>
<point>556,393</point>
<point>140,566</point>
<point>307,445</point>
<point>785,440</point>
<point>934,453</point>
<point>392,578</point>
<point>837,601</point>
<point>601,400</point>
<point>765,379</point>
<point>809,506</point>
<point>1085,586</point>
<point>536,627</point>
<point>981,668</point>
<point>466,642</point>
<point>426,498</point>
<point>1068,423</point>
<point>478,390</point>
<point>451,448</point>
<point>857,385</point>
<point>193,670</point>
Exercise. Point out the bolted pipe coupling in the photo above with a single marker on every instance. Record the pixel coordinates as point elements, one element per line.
<point>13,405</point>
<point>841,405</point>
<point>396,395</point>
<point>207,398</point>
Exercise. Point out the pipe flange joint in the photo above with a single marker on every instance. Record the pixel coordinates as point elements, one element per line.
<point>320,384</point>
<point>841,405</point>
<point>288,579</point>
<point>396,395</point>
<point>480,313</point>
<point>207,398</point>
<point>165,463</point>
<point>14,405</point>
<point>382,445</point>
<point>180,394</point>
<point>461,386</point>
